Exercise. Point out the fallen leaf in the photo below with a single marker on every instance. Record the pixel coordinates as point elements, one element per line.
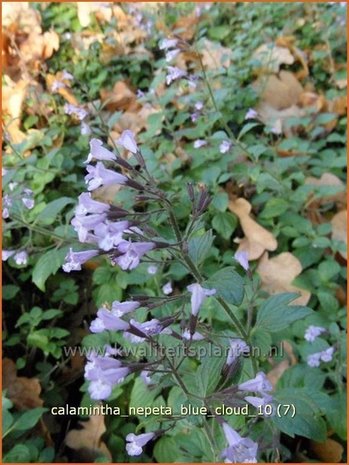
<point>271,57</point>
<point>89,437</point>
<point>214,55</point>
<point>22,391</point>
<point>101,9</point>
<point>121,97</point>
<point>329,451</point>
<point>185,27</point>
<point>330,180</point>
<point>257,239</point>
<point>281,91</point>
<point>339,228</point>
<point>278,273</point>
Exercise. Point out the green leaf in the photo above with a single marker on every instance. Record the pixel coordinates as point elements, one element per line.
<point>18,454</point>
<point>219,32</point>
<point>198,247</point>
<point>261,339</point>
<point>228,284</point>
<point>274,207</point>
<point>9,291</point>
<point>29,419</point>
<point>49,214</point>
<point>47,265</point>
<point>276,314</point>
<point>224,223</point>
<point>166,450</point>
<point>208,373</point>
<point>307,421</point>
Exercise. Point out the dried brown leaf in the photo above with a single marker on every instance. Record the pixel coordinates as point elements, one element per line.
<point>339,228</point>
<point>278,273</point>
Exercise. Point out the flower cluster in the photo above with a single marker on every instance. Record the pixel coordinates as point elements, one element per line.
<point>93,219</point>
<point>326,356</point>
<point>239,450</point>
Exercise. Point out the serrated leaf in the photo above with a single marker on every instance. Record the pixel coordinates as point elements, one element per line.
<point>198,247</point>
<point>276,314</point>
<point>48,264</point>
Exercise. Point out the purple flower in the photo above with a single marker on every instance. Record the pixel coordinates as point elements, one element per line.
<point>85,129</point>
<point>88,205</point>
<point>100,176</point>
<point>6,254</point>
<point>242,258</point>
<point>145,376</point>
<point>137,442</point>
<point>327,355</point>
<point>56,85</point>
<point>79,112</point>
<point>82,224</point>
<point>198,295</point>
<point>195,337</point>
<point>127,140</point>
<point>258,384</point>
<point>74,260</point>
<point>103,373</point>
<point>29,203</point>
<point>199,143</point>
<point>67,76</point>
<point>314,360</point>
<point>167,288</point>
<point>251,114</point>
<point>21,258</point>
<point>173,74</point>
<point>225,146</point>
<point>98,152</point>
<point>132,252</point>
<point>195,116</point>
<point>165,44</point>
<point>171,54</point>
<point>261,402</point>
<point>312,332</point>
<point>107,320</point>
<point>237,347</point>
<point>239,450</point>
<point>148,328</point>
<point>109,235</point>
<point>121,308</point>
<point>199,106</point>
<point>5,213</point>
<point>152,269</point>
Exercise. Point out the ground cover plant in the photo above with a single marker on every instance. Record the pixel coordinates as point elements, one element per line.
<point>174,232</point>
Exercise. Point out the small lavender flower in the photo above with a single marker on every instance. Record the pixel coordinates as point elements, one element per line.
<point>167,288</point>
<point>6,254</point>
<point>152,269</point>
<point>128,141</point>
<point>100,176</point>
<point>145,376</point>
<point>103,373</point>
<point>88,205</point>
<point>121,308</point>
<point>110,235</point>
<point>140,93</point>
<point>313,360</point>
<point>82,224</point>
<point>171,54</point>
<point>132,252</point>
<point>173,74</point>
<point>79,112</point>
<point>242,258</point>
<point>21,258</point>
<point>98,152</point>
<point>225,146</point>
<point>312,332</point>
<point>327,355</point>
<point>239,450</point>
<point>165,44</point>
<point>67,76</point>
<point>107,320</point>
<point>5,213</point>
<point>237,347</point>
<point>74,260</point>
<point>137,442</point>
<point>259,383</point>
<point>199,106</point>
<point>195,337</point>
<point>149,328</point>
<point>85,129</point>
<point>251,114</point>
<point>28,203</point>
<point>261,402</point>
<point>195,116</point>
<point>198,295</point>
<point>56,85</point>
<point>199,143</point>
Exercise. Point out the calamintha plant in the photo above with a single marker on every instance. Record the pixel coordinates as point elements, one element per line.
<point>178,341</point>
